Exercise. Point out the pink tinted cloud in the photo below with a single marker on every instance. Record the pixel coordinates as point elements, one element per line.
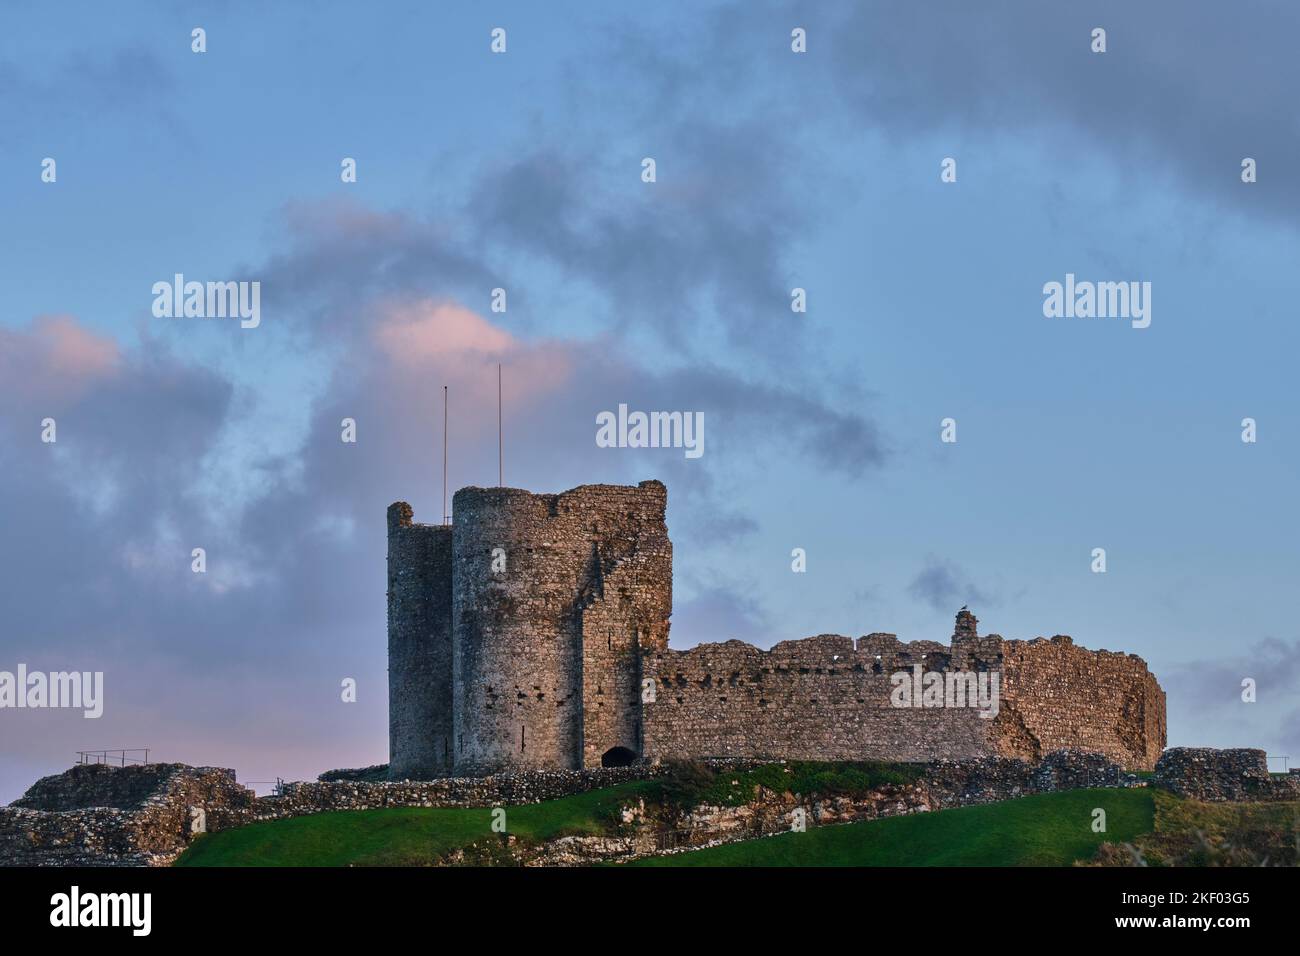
<point>416,339</point>
<point>55,359</point>
<point>341,217</point>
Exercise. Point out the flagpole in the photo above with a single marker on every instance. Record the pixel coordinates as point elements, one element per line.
<point>501,467</point>
<point>444,454</point>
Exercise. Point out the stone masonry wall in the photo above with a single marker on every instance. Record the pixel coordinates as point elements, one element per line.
<point>144,815</point>
<point>593,562</point>
<point>823,698</point>
<point>623,616</point>
<point>1057,695</point>
<point>546,657</point>
<point>419,646</point>
<point>1241,774</point>
<point>829,698</point>
<point>116,816</point>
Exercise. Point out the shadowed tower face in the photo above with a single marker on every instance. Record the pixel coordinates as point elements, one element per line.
<point>546,603</point>
<point>419,647</point>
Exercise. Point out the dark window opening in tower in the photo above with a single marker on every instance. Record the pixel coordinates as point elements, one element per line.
<point>521,738</point>
<point>617,757</point>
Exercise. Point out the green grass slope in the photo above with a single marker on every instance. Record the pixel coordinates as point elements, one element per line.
<point>1045,830</point>
<point>1191,833</point>
<point>1053,829</point>
<point>399,836</point>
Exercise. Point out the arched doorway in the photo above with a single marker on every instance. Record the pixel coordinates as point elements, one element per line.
<point>617,757</point>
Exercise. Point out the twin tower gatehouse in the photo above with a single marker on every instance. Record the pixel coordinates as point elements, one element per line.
<point>516,637</point>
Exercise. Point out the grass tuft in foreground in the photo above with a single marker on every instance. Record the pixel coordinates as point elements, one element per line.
<point>1191,833</point>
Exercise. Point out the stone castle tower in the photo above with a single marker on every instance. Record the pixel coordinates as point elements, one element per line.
<point>515,639</point>
<point>534,635</point>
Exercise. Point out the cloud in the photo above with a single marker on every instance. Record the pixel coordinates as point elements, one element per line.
<point>422,331</point>
<point>709,241</point>
<point>553,391</point>
<point>93,77</point>
<point>719,612</point>
<point>944,587</point>
<point>94,85</point>
<point>1272,663</point>
<point>53,361</point>
<point>336,258</point>
<point>1206,694</point>
<point>1182,94</point>
<point>131,426</point>
<point>358,279</point>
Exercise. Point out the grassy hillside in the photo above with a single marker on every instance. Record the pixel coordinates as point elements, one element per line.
<point>416,836</point>
<point>1053,829</point>
<point>1045,830</point>
<point>400,836</point>
<point>1190,833</point>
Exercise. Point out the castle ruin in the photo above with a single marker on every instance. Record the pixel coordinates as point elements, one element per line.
<point>533,634</point>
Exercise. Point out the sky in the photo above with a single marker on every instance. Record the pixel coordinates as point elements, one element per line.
<point>523,170</point>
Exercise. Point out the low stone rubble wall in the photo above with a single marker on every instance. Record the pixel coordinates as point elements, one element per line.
<point>98,815</point>
<point>944,784</point>
<point>513,789</point>
<point>1203,773</point>
<point>145,815</point>
<point>86,816</point>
